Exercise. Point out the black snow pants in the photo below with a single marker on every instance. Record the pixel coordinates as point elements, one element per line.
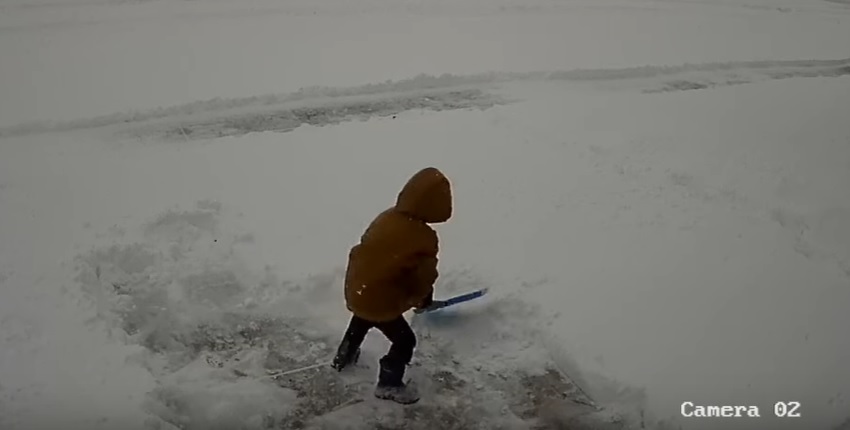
<point>393,364</point>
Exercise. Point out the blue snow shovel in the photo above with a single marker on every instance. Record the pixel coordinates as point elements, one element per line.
<point>440,304</point>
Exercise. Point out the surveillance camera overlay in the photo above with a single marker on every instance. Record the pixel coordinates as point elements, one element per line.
<point>655,194</point>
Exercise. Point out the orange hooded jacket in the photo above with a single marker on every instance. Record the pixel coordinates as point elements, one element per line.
<point>394,267</point>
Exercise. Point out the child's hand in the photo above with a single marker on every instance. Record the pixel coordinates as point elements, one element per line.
<point>434,304</point>
<point>427,301</point>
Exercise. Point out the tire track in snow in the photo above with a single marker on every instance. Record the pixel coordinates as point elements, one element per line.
<point>320,106</point>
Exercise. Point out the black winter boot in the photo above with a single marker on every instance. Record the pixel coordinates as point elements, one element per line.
<point>345,357</point>
<point>391,387</point>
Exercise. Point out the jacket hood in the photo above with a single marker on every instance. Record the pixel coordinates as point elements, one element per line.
<point>427,196</point>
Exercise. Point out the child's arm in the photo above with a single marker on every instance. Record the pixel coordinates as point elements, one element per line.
<point>425,273</point>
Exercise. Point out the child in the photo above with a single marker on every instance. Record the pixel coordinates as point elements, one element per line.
<point>392,270</point>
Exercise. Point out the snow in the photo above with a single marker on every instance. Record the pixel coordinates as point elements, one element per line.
<point>119,55</point>
<point>653,191</point>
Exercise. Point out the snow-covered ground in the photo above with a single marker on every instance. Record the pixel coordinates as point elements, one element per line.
<point>654,191</point>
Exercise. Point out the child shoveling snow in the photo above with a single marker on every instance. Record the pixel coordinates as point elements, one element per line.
<point>392,270</point>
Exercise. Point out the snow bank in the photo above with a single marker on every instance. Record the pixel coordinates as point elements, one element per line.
<point>320,106</point>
